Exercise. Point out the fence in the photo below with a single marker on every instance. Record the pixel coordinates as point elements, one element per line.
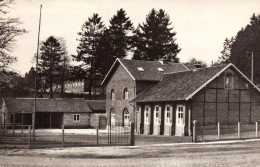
<point>224,132</point>
<point>23,136</point>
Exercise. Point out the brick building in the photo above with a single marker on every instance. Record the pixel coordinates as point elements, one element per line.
<point>125,80</point>
<point>164,99</point>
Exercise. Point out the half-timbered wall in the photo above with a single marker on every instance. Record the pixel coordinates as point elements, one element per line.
<point>227,105</point>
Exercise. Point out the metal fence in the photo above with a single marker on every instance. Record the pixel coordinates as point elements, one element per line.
<point>23,136</point>
<point>225,132</point>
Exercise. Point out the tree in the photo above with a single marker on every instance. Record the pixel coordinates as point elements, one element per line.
<point>50,63</point>
<point>90,38</point>
<point>247,40</point>
<point>9,30</point>
<point>226,52</point>
<point>154,39</point>
<point>120,31</point>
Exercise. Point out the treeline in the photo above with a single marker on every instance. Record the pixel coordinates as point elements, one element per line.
<point>100,45</point>
<point>239,49</point>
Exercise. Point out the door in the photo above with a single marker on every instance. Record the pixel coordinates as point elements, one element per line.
<point>180,120</point>
<point>102,122</point>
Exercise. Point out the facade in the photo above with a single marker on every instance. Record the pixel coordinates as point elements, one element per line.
<point>165,99</point>
<point>219,94</point>
<point>52,113</point>
<point>125,80</point>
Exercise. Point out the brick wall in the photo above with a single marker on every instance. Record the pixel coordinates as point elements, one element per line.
<point>94,118</point>
<point>119,81</point>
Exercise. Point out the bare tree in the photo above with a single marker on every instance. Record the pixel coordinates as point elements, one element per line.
<point>9,30</point>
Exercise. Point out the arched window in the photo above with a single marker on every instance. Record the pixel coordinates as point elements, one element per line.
<point>229,79</point>
<point>125,93</point>
<point>112,117</point>
<point>112,94</point>
<point>126,117</point>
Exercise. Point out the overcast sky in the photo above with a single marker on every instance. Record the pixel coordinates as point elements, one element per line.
<point>201,25</point>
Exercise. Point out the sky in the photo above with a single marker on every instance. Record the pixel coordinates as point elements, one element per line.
<point>201,25</point>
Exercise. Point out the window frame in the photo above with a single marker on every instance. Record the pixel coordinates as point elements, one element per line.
<point>76,117</point>
<point>125,93</point>
<point>112,94</point>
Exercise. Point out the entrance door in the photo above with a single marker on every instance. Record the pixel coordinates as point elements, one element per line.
<point>180,120</point>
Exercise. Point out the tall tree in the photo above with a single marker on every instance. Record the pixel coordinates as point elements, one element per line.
<point>154,39</point>
<point>9,30</point>
<point>247,41</point>
<point>226,52</point>
<point>50,62</point>
<point>120,30</point>
<point>90,37</point>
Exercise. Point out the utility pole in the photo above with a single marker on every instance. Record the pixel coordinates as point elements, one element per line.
<point>252,65</point>
<point>36,71</point>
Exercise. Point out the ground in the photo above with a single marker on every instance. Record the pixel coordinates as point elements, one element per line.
<point>232,153</point>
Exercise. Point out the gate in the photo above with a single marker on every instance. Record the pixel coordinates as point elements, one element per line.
<point>116,135</point>
<point>102,122</point>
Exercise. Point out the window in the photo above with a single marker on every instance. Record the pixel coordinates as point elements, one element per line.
<point>140,69</point>
<point>160,69</point>
<point>229,79</point>
<point>126,117</point>
<point>147,109</point>
<point>156,114</point>
<point>168,114</point>
<point>112,94</point>
<point>180,115</point>
<point>125,93</point>
<point>112,117</point>
<point>76,117</point>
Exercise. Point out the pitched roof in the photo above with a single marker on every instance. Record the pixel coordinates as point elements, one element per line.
<point>150,69</point>
<point>97,105</point>
<point>46,105</point>
<point>182,85</point>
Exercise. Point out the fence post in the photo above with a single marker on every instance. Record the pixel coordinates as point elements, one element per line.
<point>22,129</point>
<point>97,136</point>
<point>132,133</point>
<point>13,127</point>
<point>29,136</point>
<point>256,129</point>
<point>238,129</point>
<point>218,130</point>
<point>62,136</point>
<point>194,131</point>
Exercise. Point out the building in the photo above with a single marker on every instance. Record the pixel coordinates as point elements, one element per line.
<point>125,80</point>
<point>53,113</point>
<point>165,99</point>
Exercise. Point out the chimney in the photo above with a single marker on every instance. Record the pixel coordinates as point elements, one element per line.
<point>197,65</point>
<point>163,61</point>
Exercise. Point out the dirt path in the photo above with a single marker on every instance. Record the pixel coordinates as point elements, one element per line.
<point>225,154</point>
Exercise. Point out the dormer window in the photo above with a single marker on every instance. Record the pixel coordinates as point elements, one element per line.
<point>160,69</point>
<point>140,69</point>
<point>125,93</point>
<point>112,94</point>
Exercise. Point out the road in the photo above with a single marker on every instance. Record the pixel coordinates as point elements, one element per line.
<point>239,153</point>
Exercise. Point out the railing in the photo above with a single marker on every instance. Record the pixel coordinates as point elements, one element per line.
<point>224,132</point>
<point>21,135</point>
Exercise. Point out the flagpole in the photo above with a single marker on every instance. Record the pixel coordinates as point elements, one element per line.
<point>36,71</point>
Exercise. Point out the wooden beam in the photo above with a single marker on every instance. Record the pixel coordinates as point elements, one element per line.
<point>217,101</point>
<point>250,109</point>
<point>50,119</point>
<point>228,107</point>
<point>239,99</point>
<point>204,106</point>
